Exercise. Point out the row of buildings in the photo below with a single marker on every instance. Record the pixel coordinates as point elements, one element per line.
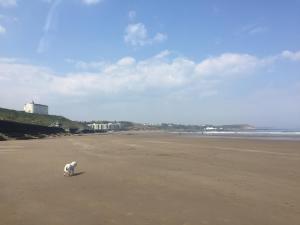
<point>104,126</point>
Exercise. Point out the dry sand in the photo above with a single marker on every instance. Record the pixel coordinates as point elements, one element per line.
<point>150,179</point>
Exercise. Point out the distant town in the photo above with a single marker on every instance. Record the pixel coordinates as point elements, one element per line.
<point>104,126</point>
<point>36,122</point>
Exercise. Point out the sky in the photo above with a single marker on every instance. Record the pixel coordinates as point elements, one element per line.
<point>189,62</point>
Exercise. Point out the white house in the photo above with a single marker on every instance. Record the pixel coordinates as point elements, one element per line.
<point>36,108</point>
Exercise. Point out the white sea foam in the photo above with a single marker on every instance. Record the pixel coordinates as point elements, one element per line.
<point>260,134</point>
<point>255,133</point>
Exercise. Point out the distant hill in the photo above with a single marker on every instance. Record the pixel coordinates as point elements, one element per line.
<point>37,119</point>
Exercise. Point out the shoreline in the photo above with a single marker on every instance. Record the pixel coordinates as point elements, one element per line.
<point>231,135</point>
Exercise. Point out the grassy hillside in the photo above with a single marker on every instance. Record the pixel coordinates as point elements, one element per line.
<point>44,120</point>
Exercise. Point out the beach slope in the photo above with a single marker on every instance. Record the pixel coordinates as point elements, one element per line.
<point>137,179</point>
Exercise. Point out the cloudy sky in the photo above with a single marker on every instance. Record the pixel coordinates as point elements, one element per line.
<point>193,61</point>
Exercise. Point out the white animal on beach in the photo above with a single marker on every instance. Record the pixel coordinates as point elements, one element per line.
<point>70,168</point>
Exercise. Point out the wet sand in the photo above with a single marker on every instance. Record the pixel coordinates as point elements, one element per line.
<point>152,179</point>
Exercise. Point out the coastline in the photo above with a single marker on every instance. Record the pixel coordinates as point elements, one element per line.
<point>284,136</point>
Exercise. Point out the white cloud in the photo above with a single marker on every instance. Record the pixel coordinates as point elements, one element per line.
<point>294,56</point>
<point>52,21</point>
<point>8,60</point>
<point>159,37</point>
<point>126,61</point>
<point>171,83</point>
<point>132,15</point>
<point>228,64</point>
<point>258,30</point>
<point>91,2</point>
<point>123,76</point>
<point>136,34</point>
<point>87,66</point>
<point>86,2</point>
<point>43,44</point>
<point>49,26</point>
<point>253,29</point>
<point>160,74</point>
<point>163,54</point>
<point>8,3</point>
<point>2,30</point>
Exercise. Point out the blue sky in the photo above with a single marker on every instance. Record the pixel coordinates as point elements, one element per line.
<point>193,62</point>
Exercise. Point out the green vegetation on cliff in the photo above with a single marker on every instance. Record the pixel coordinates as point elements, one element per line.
<point>44,120</point>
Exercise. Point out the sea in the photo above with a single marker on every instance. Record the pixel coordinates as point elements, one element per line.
<point>277,134</point>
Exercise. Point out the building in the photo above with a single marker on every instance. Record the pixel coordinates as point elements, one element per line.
<point>114,126</point>
<point>104,126</point>
<point>36,108</point>
<point>98,126</point>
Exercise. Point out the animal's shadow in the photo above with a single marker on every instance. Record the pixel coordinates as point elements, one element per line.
<point>78,173</point>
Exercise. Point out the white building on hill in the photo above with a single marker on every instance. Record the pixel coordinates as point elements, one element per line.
<point>36,108</point>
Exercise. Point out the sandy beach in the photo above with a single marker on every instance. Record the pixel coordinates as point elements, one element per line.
<point>149,178</point>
